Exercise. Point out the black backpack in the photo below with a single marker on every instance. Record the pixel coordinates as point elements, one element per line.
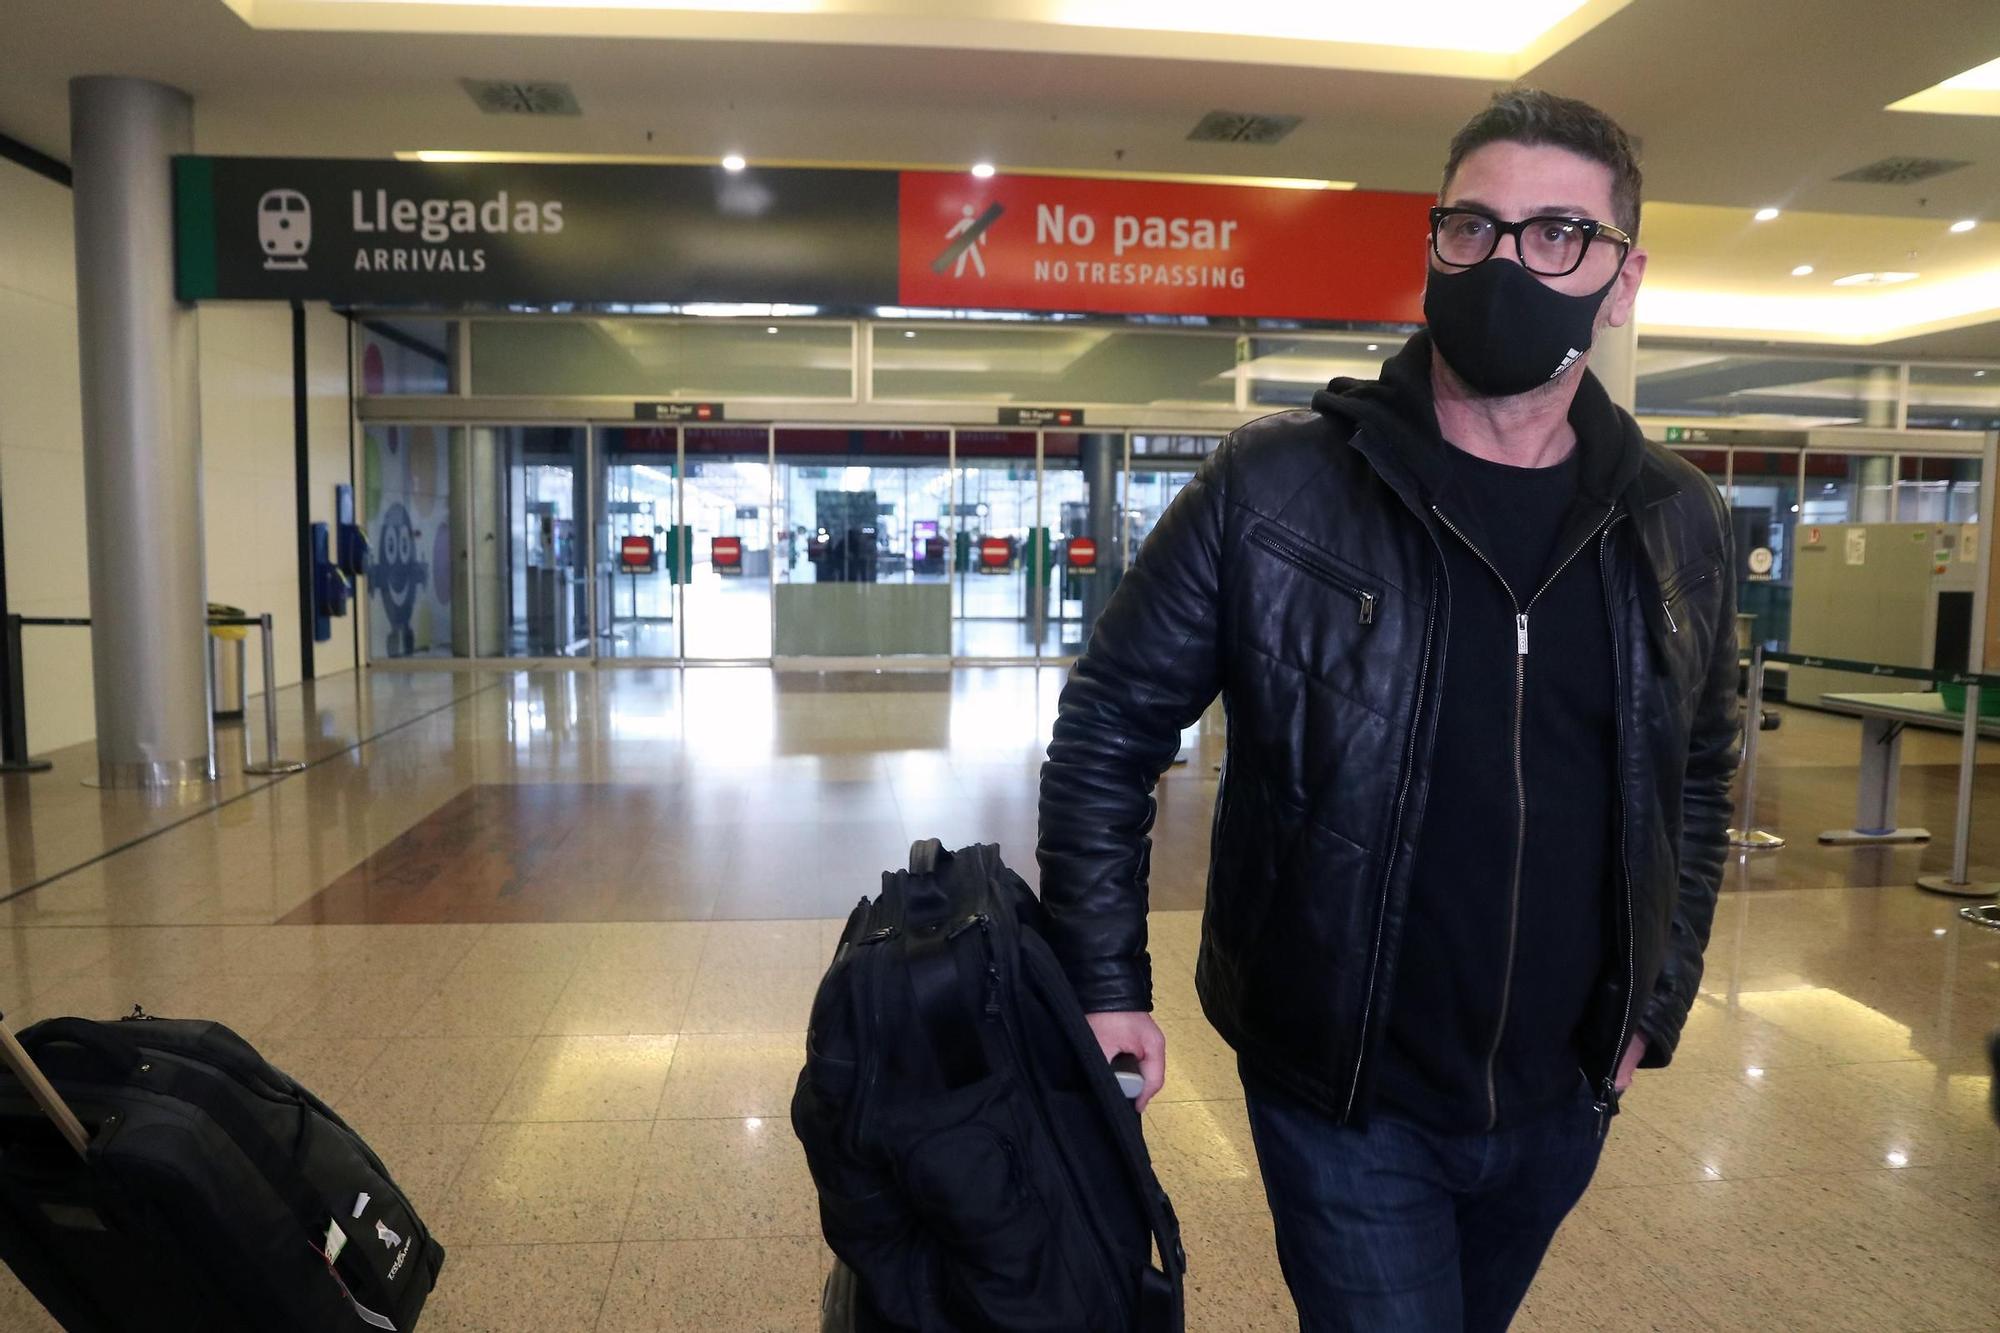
<point>160,1175</point>
<point>978,1167</point>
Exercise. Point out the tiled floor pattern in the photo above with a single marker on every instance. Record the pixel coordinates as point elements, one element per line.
<point>592,1113</point>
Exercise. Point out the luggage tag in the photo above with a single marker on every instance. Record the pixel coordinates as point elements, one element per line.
<point>336,1243</point>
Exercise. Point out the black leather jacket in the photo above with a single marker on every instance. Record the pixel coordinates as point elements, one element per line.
<point>1330,688</point>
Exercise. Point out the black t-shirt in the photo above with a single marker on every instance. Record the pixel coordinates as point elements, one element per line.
<point>1493,981</point>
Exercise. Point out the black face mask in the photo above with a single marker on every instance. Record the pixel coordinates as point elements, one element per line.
<point>1503,330</point>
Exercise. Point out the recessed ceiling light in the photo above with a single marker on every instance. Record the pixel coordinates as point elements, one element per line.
<point>1979,374</point>
<point>1802,270</point>
<point>1897,1159</point>
<point>1754,1072</point>
<point>1939,931</point>
<point>909,333</point>
<point>1964,224</point>
<point>1374,347</point>
<point>1765,214</point>
<point>772,329</point>
<point>1883,279</point>
<point>734,162</point>
<point>983,170</point>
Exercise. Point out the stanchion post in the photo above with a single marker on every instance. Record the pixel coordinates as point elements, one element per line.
<point>14,721</point>
<point>271,764</point>
<point>1746,834</point>
<point>1960,883</point>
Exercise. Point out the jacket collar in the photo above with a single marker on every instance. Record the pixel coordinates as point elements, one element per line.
<point>1395,428</point>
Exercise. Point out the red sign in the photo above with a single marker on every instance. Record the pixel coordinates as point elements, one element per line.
<point>1146,247</point>
<point>727,554</point>
<point>995,553</point>
<point>636,554</point>
<point>1082,554</point>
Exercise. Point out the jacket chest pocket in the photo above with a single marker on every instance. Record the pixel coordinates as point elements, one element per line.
<point>1689,599</point>
<point>1318,567</point>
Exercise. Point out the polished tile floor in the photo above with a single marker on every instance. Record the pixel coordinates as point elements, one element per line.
<point>549,941</point>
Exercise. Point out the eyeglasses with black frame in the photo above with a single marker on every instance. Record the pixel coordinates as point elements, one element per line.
<point>1551,247</point>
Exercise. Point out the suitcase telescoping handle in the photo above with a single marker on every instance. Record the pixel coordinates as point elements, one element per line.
<point>44,1093</point>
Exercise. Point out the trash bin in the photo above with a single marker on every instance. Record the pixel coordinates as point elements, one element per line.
<point>226,654</point>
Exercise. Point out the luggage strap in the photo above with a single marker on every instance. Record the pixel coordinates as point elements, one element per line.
<point>935,981</point>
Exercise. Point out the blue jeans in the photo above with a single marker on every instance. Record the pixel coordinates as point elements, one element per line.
<point>1396,1228</point>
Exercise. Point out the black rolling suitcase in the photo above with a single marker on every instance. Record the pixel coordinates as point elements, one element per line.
<point>160,1175</point>
<point>978,1167</point>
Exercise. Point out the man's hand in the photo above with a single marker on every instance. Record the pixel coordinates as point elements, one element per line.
<point>1634,1053</point>
<point>1134,1033</point>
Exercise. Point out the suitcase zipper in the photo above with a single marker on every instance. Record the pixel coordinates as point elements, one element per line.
<point>1099,1261</point>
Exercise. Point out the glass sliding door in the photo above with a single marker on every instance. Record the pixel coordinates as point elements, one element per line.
<point>639,574</point>
<point>726,514</point>
<point>1000,580</point>
<point>526,579</point>
<point>864,537</point>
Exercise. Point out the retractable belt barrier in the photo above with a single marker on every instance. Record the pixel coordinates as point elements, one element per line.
<point>1882,734</point>
<point>16,736</point>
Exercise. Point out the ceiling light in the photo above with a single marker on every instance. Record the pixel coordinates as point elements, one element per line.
<point>1939,931</point>
<point>734,162</point>
<point>983,170</point>
<point>1883,279</point>
<point>1802,270</point>
<point>1754,1072</point>
<point>1964,225</point>
<point>1898,1159</point>
<point>909,333</point>
<point>1765,214</point>
<point>1979,374</point>
<point>1374,347</point>
<point>1975,92</point>
<point>772,329</point>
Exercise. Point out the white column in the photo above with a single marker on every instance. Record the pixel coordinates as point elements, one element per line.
<point>141,437</point>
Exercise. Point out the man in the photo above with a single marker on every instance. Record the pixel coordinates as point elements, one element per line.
<point>1476,641</point>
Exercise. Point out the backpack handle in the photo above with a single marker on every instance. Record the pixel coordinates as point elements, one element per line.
<point>925,853</point>
<point>43,1092</point>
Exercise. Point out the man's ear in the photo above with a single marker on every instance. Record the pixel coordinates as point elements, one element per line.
<point>1625,290</point>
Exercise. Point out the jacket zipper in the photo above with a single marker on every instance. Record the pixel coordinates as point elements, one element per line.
<point>1296,555</point>
<point>1520,782</point>
<point>1389,860</point>
<point>1607,1092</point>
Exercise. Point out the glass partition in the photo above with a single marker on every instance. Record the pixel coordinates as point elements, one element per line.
<point>1848,488</point>
<point>406,356</point>
<point>1766,390</point>
<point>1954,398</point>
<point>684,359</point>
<point>1059,364</point>
<point>1287,372</point>
<point>1933,489</point>
<point>1763,495</point>
<point>409,475</point>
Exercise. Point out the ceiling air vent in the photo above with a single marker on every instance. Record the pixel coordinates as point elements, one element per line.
<point>1902,170</point>
<point>505,97</point>
<point>1242,127</point>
